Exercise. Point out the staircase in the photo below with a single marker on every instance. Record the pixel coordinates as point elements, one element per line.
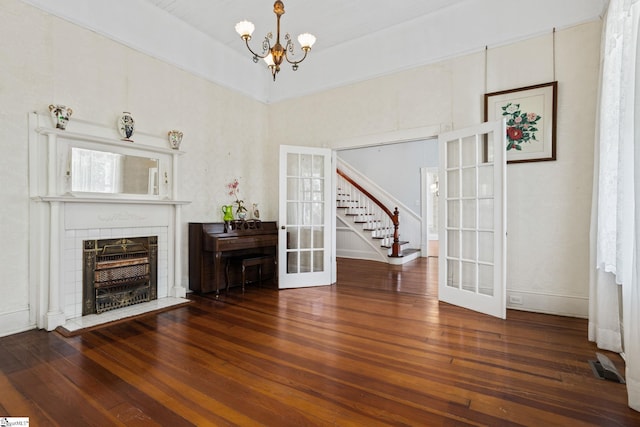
<point>370,219</point>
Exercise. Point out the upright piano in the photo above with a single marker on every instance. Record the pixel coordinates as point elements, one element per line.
<point>212,243</point>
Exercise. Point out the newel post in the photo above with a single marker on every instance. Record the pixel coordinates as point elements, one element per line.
<point>395,247</point>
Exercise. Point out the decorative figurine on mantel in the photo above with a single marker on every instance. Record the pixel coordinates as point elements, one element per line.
<point>234,189</point>
<point>255,211</point>
<point>126,126</point>
<point>60,115</point>
<point>175,138</point>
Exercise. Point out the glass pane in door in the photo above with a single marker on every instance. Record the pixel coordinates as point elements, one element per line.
<point>305,213</point>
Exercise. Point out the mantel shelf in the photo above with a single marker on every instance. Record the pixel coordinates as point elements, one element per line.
<point>114,200</point>
<point>102,140</point>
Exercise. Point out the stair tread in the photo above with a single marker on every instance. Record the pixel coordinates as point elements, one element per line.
<point>406,252</point>
<point>401,243</point>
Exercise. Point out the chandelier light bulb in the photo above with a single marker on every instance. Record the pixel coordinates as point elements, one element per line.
<point>306,40</point>
<point>245,29</point>
<point>269,60</point>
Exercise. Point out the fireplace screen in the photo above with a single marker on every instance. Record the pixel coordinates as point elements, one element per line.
<point>118,273</point>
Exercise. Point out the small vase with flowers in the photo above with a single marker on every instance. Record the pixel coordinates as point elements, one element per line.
<point>234,190</point>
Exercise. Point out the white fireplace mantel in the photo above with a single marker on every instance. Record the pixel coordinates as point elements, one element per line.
<point>60,218</point>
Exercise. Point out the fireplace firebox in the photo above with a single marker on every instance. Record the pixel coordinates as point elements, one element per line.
<point>119,273</point>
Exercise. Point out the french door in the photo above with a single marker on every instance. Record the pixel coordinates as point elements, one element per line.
<point>472,267</point>
<point>307,214</point>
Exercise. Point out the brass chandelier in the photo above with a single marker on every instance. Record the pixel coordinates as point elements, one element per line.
<point>274,55</point>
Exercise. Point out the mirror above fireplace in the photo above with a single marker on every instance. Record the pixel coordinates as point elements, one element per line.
<point>94,171</point>
<point>88,162</point>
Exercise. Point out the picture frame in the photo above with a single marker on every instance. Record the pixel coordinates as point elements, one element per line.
<point>531,120</point>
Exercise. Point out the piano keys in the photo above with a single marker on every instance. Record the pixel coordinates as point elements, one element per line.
<point>212,243</point>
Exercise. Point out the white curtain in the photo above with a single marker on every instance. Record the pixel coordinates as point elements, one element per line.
<point>616,214</point>
<point>631,294</point>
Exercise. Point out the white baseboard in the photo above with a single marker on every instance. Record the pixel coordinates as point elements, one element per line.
<point>563,305</point>
<point>15,321</point>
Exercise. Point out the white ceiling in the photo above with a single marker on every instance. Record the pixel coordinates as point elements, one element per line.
<point>356,39</point>
<point>332,21</point>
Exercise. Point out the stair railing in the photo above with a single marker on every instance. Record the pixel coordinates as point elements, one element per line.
<point>370,212</point>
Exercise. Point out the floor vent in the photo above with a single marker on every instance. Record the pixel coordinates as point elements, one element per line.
<point>604,369</point>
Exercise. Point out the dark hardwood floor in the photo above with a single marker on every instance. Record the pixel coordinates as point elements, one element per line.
<point>375,349</point>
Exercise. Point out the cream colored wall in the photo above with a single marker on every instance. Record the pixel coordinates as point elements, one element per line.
<point>548,202</point>
<point>46,60</point>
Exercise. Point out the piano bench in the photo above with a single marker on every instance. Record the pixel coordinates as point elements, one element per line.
<point>247,261</point>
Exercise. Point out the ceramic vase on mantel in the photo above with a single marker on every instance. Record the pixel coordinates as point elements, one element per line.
<point>60,115</point>
<point>126,126</point>
<point>175,138</point>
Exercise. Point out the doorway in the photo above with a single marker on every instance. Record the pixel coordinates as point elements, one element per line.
<point>430,194</point>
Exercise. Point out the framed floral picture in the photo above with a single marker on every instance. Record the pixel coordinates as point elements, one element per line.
<point>530,113</point>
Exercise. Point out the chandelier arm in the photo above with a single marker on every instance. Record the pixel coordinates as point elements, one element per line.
<point>266,53</point>
<point>306,51</point>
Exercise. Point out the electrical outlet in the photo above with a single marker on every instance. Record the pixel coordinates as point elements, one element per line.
<point>515,299</point>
